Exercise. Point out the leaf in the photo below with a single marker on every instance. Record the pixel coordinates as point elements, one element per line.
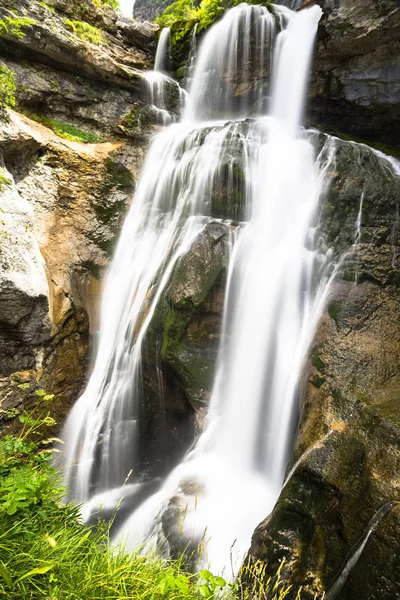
<point>37,571</point>
<point>205,591</point>
<point>220,581</point>
<point>183,585</point>
<point>163,587</point>
<point>206,575</point>
<point>5,575</point>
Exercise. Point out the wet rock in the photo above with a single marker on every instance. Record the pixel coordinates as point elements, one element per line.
<point>355,79</point>
<point>181,346</point>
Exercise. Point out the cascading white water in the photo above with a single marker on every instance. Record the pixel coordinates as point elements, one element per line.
<point>232,477</point>
<point>163,50</point>
<point>164,91</point>
<point>229,63</point>
<point>270,311</point>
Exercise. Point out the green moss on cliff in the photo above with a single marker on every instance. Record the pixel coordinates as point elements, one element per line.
<point>4,181</point>
<point>7,89</point>
<point>15,26</point>
<point>85,32</point>
<point>113,3</point>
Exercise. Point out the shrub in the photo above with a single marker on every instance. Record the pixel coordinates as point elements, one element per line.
<point>67,131</point>
<point>85,32</point>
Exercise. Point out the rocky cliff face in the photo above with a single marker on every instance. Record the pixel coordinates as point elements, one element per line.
<point>355,82</point>
<point>78,72</point>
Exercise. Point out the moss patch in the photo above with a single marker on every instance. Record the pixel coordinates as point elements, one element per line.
<point>4,181</point>
<point>7,89</point>
<point>15,26</point>
<point>85,32</point>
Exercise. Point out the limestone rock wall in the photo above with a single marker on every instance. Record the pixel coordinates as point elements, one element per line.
<point>62,202</point>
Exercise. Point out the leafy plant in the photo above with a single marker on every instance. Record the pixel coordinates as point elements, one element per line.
<point>85,32</point>
<point>67,131</point>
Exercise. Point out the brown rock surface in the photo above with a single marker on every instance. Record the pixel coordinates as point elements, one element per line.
<point>62,209</point>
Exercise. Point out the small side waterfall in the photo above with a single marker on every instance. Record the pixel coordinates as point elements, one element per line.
<point>275,289</point>
<point>163,50</point>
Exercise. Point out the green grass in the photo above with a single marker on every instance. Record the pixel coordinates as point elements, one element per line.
<point>85,32</point>
<point>46,552</point>
<point>67,131</point>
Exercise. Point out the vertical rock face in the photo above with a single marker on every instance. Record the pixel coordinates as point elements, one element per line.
<point>355,81</point>
<point>62,204</point>
<point>181,346</point>
<point>78,69</point>
<point>347,454</point>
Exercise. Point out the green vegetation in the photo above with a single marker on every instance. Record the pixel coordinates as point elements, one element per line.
<point>113,3</point>
<point>4,181</point>
<point>86,32</point>
<point>182,15</point>
<point>13,26</point>
<point>7,89</point>
<point>67,131</point>
<point>47,6</point>
<point>46,552</point>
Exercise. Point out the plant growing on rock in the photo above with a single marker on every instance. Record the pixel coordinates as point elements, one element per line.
<point>85,32</point>
<point>67,131</point>
<point>14,26</point>
<point>7,90</point>
<point>4,181</point>
<point>113,3</point>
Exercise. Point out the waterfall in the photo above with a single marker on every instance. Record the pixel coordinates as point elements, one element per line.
<point>167,98</point>
<point>163,50</point>
<point>229,62</point>
<point>232,477</point>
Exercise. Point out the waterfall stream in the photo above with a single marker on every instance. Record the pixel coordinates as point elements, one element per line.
<point>276,285</point>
